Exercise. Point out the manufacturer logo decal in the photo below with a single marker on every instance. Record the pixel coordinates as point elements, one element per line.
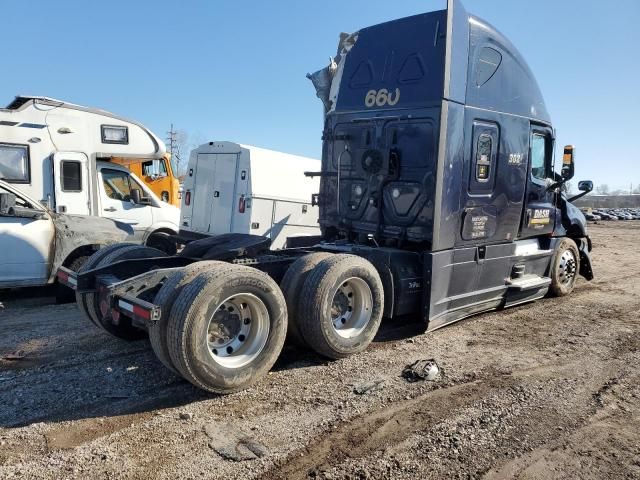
<point>540,216</point>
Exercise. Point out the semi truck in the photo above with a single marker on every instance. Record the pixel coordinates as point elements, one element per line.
<point>60,154</point>
<point>237,188</point>
<point>438,200</point>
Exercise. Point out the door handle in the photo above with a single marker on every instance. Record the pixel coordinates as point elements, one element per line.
<point>110,209</point>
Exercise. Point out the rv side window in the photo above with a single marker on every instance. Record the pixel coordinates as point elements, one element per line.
<point>115,134</point>
<point>14,163</point>
<point>71,176</point>
<point>538,156</point>
<point>118,185</point>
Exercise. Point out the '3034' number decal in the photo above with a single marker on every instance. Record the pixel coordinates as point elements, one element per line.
<point>381,98</point>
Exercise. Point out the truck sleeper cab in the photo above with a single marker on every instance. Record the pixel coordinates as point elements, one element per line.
<point>438,199</point>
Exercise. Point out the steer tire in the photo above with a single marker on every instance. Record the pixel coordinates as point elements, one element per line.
<point>188,333</point>
<point>165,298</point>
<point>356,285</point>
<point>92,262</point>
<point>291,284</point>
<point>124,329</point>
<point>564,268</point>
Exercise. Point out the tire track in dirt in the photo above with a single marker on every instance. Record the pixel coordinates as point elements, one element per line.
<point>366,434</point>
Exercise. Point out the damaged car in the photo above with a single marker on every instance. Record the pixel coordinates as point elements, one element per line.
<point>35,242</point>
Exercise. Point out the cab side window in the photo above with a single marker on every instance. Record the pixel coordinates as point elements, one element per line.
<point>538,156</point>
<point>118,185</point>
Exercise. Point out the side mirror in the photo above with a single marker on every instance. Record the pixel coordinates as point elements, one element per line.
<point>568,158</point>
<point>135,196</point>
<point>7,201</point>
<point>585,186</point>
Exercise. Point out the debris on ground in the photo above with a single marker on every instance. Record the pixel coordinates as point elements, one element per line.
<point>371,386</point>
<point>186,416</point>
<point>18,355</point>
<point>233,444</point>
<point>421,370</point>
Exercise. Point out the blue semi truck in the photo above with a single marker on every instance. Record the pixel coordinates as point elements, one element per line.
<point>438,199</point>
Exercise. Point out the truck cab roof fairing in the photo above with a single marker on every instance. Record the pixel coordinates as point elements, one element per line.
<point>499,78</point>
<point>453,62</point>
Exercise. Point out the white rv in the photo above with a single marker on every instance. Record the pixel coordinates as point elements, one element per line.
<point>233,188</point>
<point>58,153</point>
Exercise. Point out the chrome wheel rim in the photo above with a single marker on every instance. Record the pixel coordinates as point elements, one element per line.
<point>351,307</point>
<point>238,330</point>
<point>567,268</point>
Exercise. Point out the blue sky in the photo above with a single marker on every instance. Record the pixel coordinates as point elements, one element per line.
<point>235,70</point>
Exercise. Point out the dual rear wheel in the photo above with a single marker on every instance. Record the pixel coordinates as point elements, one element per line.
<point>224,325</point>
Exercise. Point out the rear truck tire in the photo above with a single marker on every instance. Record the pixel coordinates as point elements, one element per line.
<point>163,242</point>
<point>341,305</point>
<point>65,294</point>
<point>291,284</point>
<point>124,330</point>
<point>165,299</point>
<point>564,268</point>
<point>227,328</point>
<point>92,262</point>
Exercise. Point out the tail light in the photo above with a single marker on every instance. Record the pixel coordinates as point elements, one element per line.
<point>242,204</point>
<point>187,198</point>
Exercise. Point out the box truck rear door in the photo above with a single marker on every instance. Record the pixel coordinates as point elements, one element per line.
<point>224,193</point>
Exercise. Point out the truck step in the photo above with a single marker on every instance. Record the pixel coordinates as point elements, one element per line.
<point>528,282</point>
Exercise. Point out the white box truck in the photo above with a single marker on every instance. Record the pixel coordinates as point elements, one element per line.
<point>234,188</point>
<point>59,153</point>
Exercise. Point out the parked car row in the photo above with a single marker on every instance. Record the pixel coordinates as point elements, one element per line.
<point>613,214</point>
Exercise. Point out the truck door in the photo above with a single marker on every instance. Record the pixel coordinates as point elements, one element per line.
<point>539,208</point>
<point>70,171</point>
<point>116,203</point>
<point>224,183</point>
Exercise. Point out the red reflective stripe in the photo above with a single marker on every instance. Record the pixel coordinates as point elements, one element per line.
<point>241,205</point>
<point>141,312</point>
<point>187,198</point>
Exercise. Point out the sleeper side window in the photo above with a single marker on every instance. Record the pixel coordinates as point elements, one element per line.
<point>538,156</point>
<point>14,163</point>
<point>71,176</point>
<point>484,158</point>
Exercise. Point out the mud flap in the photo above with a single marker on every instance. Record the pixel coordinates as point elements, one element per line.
<point>585,260</point>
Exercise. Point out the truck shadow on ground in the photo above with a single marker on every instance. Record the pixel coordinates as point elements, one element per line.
<point>97,376</point>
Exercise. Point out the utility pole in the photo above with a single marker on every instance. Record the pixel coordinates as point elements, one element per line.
<point>172,147</point>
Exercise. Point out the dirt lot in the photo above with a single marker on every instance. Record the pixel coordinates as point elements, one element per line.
<point>545,390</point>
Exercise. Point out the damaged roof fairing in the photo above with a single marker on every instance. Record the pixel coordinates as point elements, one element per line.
<point>323,80</point>
<point>439,73</point>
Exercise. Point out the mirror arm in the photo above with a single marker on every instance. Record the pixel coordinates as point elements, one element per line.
<point>576,197</point>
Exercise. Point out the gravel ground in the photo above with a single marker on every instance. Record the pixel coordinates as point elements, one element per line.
<point>545,390</point>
